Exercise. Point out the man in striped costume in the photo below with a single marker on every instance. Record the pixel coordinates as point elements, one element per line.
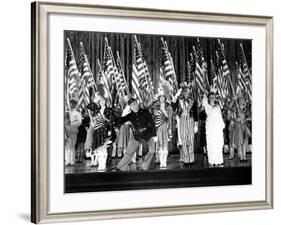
<point>186,108</point>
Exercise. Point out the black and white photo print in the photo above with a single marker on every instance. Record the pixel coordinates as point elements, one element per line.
<point>146,111</point>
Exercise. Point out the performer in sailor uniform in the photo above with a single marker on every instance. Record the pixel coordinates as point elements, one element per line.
<point>144,131</point>
<point>162,118</point>
<point>102,132</point>
<point>186,109</point>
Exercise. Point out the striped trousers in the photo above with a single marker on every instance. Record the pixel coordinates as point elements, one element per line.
<point>186,133</point>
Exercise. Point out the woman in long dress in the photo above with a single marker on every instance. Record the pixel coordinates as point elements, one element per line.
<point>214,130</point>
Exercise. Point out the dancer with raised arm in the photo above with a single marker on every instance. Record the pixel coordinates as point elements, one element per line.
<point>186,109</point>
<point>214,130</point>
<point>144,131</point>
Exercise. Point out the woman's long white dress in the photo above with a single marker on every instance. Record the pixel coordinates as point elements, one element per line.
<point>214,133</point>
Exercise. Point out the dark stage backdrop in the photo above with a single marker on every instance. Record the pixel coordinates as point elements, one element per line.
<point>179,47</point>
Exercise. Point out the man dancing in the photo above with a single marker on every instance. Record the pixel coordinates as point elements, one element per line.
<point>144,131</point>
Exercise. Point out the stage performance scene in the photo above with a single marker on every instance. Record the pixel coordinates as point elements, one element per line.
<point>156,110</point>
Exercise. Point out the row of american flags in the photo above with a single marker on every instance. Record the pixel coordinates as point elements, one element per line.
<point>202,76</point>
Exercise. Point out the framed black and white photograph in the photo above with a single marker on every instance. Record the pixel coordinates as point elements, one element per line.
<point>145,112</point>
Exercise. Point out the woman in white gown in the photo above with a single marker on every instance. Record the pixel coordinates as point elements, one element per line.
<point>214,130</point>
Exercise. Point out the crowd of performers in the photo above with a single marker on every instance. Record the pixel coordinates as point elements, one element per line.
<point>107,132</point>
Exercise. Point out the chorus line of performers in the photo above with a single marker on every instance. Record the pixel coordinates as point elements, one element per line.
<point>100,131</point>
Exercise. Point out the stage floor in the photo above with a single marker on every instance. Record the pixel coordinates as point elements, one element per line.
<point>173,163</point>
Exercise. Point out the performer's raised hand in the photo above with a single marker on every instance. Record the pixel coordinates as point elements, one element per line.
<point>177,95</point>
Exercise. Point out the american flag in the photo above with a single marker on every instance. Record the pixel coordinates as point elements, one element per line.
<point>246,71</point>
<point>218,80</point>
<point>241,86</point>
<point>72,72</point>
<point>102,79</point>
<point>87,79</point>
<point>140,82</point>
<point>224,68</point>
<point>121,83</point>
<point>222,78</point>
<point>148,79</point>
<point>85,69</point>
<point>199,72</point>
<point>146,84</point>
<point>109,66</point>
<point>135,82</point>
<point>135,77</point>
<point>244,84</point>
<point>84,95</point>
<point>167,67</point>
<point>150,88</point>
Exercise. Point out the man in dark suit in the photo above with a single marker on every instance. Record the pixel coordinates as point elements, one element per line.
<point>144,131</point>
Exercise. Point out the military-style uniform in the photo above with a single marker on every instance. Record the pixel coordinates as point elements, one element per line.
<point>143,132</point>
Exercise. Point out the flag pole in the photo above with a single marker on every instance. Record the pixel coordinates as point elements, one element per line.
<point>243,53</point>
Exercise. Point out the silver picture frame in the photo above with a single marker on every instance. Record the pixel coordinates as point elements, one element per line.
<point>40,96</point>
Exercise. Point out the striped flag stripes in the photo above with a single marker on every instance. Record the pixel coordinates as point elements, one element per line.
<point>225,68</point>
<point>226,84</point>
<point>241,81</point>
<point>121,83</point>
<point>199,72</point>
<point>141,82</point>
<point>146,85</point>
<point>102,79</point>
<point>85,69</point>
<point>135,83</point>
<point>72,72</point>
<point>136,74</point>
<point>167,67</point>
<point>86,79</point>
<point>247,73</point>
<point>84,95</point>
<point>109,66</point>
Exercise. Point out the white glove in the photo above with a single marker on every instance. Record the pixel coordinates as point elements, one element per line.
<point>155,139</point>
<point>195,129</point>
